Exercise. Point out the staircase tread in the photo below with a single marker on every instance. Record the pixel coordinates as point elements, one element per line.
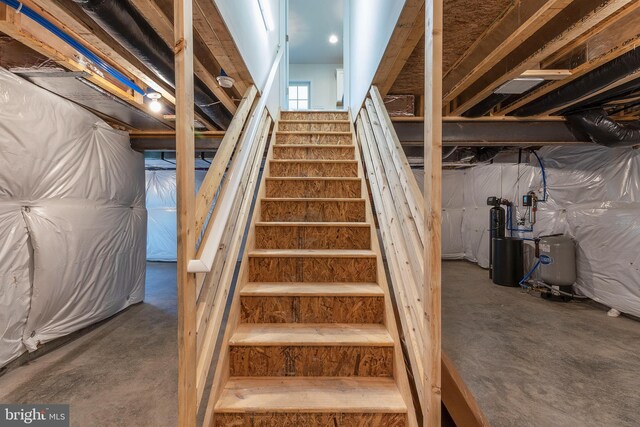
<point>333,253</point>
<point>313,178</point>
<point>313,132</point>
<point>323,146</point>
<point>310,394</point>
<point>309,334</point>
<point>314,121</point>
<point>265,289</point>
<point>314,199</point>
<point>312,224</point>
<point>314,160</point>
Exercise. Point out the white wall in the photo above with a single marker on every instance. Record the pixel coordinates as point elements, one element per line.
<point>257,46</point>
<point>323,83</point>
<point>371,23</point>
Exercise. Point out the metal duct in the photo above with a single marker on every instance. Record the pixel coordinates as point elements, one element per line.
<point>590,83</point>
<point>123,22</point>
<point>601,129</point>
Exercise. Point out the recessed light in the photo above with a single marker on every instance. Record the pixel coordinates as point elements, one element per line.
<point>154,105</point>
<point>333,39</point>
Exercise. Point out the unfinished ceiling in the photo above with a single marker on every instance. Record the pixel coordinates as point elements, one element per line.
<point>581,54</point>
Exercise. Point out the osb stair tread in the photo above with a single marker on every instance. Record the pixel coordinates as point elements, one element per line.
<point>312,289</point>
<point>312,224</point>
<point>315,121</point>
<point>311,132</point>
<point>313,178</point>
<point>313,199</point>
<point>313,253</point>
<point>308,334</point>
<point>320,146</point>
<point>312,161</point>
<point>311,394</point>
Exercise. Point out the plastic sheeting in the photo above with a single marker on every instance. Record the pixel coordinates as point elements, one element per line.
<point>593,196</point>
<point>162,240</point>
<point>72,218</point>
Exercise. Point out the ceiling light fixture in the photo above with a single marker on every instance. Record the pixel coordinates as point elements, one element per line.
<point>224,80</point>
<point>267,18</point>
<point>333,39</point>
<point>154,105</point>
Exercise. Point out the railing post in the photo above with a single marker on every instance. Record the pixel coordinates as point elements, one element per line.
<point>432,210</point>
<point>185,179</point>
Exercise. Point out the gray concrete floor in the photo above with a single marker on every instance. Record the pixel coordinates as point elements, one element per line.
<point>532,362</point>
<point>122,373</point>
<point>529,362</point>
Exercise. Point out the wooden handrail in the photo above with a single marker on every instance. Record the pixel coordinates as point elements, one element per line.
<point>210,245</point>
<point>398,203</point>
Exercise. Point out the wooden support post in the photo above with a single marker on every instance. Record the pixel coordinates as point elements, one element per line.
<point>185,178</point>
<point>432,210</point>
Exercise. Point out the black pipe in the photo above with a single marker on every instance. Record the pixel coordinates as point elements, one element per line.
<point>601,129</point>
<point>123,22</point>
<point>598,79</point>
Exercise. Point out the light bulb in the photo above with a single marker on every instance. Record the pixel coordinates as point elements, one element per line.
<point>333,39</point>
<point>155,106</point>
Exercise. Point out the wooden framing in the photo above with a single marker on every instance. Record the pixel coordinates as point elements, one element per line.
<point>185,180</point>
<point>521,21</point>
<point>161,23</point>
<point>432,211</point>
<point>513,66</point>
<point>406,35</point>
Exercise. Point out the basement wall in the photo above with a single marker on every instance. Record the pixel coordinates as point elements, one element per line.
<point>72,218</point>
<point>593,196</point>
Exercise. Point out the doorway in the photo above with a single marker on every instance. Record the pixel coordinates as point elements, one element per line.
<point>316,52</point>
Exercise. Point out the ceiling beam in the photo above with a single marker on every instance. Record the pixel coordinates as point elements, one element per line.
<point>519,23</point>
<point>408,32</point>
<point>164,27</point>
<point>166,141</point>
<point>210,26</point>
<point>582,15</point>
<point>40,40</point>
<point>607,45</point>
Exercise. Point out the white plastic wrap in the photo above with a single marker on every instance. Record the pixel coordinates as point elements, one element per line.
<point>162,240</point>
<point>594,196</point>
<point>72,218</point>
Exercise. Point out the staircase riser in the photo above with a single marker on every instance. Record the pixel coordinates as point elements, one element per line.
<point>310,237</point>
<point>314,189</point>
<point>311,420</point>
<point>285,169</point>
<point>314,153</point>
<point>314,127</point>
<point>314,138</point>
<point>295,115</point>
<point>322,309</point>
<point>310,269</point>
<point>307,361</point>
<point>315,211</point>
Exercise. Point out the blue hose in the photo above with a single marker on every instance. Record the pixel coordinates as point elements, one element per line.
<point>544,176</point>
<point>528,275</point>
<point>30,13</point>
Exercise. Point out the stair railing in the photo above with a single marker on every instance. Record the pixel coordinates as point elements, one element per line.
<point>399,206</point>
<point>222,212</point>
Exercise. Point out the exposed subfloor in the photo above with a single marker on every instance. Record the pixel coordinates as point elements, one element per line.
<point>530,362</point>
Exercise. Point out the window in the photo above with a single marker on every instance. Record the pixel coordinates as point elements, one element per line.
<point>299,95</point>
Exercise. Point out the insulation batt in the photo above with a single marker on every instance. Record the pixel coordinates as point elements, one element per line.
<point>594,197</point>
<point>72,218</point>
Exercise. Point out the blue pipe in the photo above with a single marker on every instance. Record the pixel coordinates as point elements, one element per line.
<point>528,275</point>
<point>510,223</point>
<point>544,176</point>
<point>30,13</point>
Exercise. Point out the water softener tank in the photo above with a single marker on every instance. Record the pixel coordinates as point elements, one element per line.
<point>557,260</point>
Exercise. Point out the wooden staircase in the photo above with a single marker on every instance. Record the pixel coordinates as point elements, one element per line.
<point>311,336</point>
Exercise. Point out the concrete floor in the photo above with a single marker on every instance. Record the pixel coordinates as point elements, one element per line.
<point>529,362</point>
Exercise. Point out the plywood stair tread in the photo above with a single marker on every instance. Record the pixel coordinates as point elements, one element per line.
<point>313,178</point>
<point>312,132</point>
<point>312,224</point>
<point>313,199</point>
<point>314,160</point>
<point>321,146</point>
<point>316,121</point>
<point>309,334</point>
<point>312,289</point>
<point>314,253</point>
